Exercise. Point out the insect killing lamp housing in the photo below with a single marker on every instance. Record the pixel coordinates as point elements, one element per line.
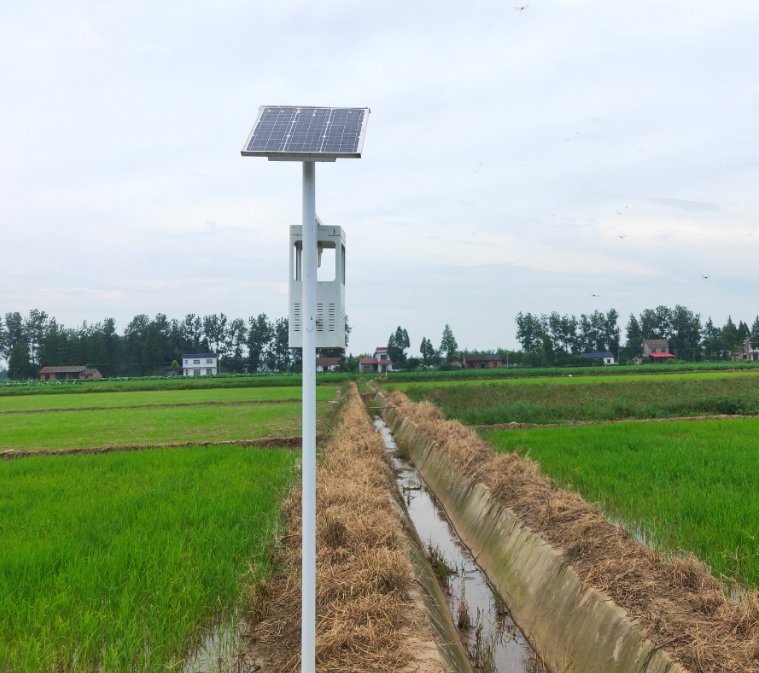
<point>330,287</point>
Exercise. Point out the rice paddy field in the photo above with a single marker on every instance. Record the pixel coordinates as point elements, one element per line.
<point>680,485</point>
<point>132,561</point>
<point>98,399</point>
<point>562,400</point>
<point>120,561</point>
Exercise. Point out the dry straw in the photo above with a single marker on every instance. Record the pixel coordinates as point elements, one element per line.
<point>365,620</point>
<point>681,606</point>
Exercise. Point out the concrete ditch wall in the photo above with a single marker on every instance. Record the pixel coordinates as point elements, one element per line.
<point>572,627</point>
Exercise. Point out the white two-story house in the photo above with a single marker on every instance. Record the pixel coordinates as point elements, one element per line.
<point>200,364</point>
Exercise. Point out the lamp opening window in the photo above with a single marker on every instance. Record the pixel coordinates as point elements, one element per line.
<point>326,271</point>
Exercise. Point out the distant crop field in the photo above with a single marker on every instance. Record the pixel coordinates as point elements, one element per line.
<point>119,561</point>
<point>78,387</point>
<point>125,399</point>
<point>617,398</point>
<point>680,485</point>
<point>124,427</point>
<point>532,372</point>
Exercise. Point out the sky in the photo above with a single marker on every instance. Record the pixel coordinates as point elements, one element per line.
<point>514,160</point>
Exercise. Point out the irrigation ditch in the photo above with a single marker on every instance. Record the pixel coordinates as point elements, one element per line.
<point>585,593</point>
<point>492,640</point>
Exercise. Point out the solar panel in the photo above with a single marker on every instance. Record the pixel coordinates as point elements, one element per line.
<point>307,133</point>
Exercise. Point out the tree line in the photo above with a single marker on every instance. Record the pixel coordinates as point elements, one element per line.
<point>555,339</point>
<point>29,343</point>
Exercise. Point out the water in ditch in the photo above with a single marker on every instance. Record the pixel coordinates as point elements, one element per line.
<point>492,639</point>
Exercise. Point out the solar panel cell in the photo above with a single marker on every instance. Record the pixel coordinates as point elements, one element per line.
<point>326,133</point>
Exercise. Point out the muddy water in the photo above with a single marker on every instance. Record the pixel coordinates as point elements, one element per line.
<point>493,641</point>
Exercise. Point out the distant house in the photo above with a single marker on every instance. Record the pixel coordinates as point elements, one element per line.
<point>746,352</point>
<point>481,361</point>
<point>608,358</point>
<point>327,364</point>
<point>62,373</point>
<point>380,363</point>
<point>654,350</point>
<point>200,364</point>
<point>383,361</point>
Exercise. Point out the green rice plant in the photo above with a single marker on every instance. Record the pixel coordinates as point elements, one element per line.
<point>123,561</point>
<point>111,385</point>
<point>521,372</point>
<point>680,485</point>
<point>557,401</point>
<point>125,427</point>
<point>126,399</point>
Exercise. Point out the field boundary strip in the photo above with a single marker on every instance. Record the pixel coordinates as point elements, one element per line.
<point>579,424</point>
<point>154,406</point>
<point>267,442</point>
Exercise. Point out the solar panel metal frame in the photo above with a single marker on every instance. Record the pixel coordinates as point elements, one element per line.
<point>306,156</point>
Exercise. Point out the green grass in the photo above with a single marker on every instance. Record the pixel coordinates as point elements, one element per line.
<point>125,399</point>
<point>81,386</point>
<point>122,559</point>
<point>120,427</point>
<point>682,485</point>
<point>562,400</point>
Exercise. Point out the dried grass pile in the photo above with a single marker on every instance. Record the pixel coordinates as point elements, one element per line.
<point>365,621</point>
<point>681,606</point>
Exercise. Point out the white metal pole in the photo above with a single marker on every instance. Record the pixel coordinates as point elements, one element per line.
<point>308,571</point>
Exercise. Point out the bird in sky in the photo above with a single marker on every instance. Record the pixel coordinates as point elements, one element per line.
<point>618,213</point>
<point>594,295</point>
<point>704,277</point>
<point>521,9</point>
<point>625,236</point>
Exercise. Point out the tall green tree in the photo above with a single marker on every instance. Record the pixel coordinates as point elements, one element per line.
<point>448,344</point>
<point>260,333</point>
<point>547,355</point>
<point>278,355</point>
<point>152,357</point>
<point>530,331</point>
<point>730,339</point>
<point>397,345</point>
<point>427,351</point>
<point>634,337</point>
<point>20,366</point>
<point>215,330</point>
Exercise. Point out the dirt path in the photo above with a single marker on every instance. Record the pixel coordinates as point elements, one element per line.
<point>264,442</point>
<point>682,608</point>
<point>574,424</point>
<point>154,406</point>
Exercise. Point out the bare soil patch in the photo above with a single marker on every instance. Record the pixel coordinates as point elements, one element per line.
<point>682,608</point>
<point>273,442</point>
<point>365,618</point>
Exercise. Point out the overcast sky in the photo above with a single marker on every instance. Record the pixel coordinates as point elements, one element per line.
<point>506,155</point>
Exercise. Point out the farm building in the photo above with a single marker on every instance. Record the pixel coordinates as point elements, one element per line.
<point>746,352</point>
<point>608,358</point>
<point>327,364</point>
<point>654,350</point>
<point>379,363</point>
<point>200,364</point>
<point>61,373</point>
<point>481,361</point>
